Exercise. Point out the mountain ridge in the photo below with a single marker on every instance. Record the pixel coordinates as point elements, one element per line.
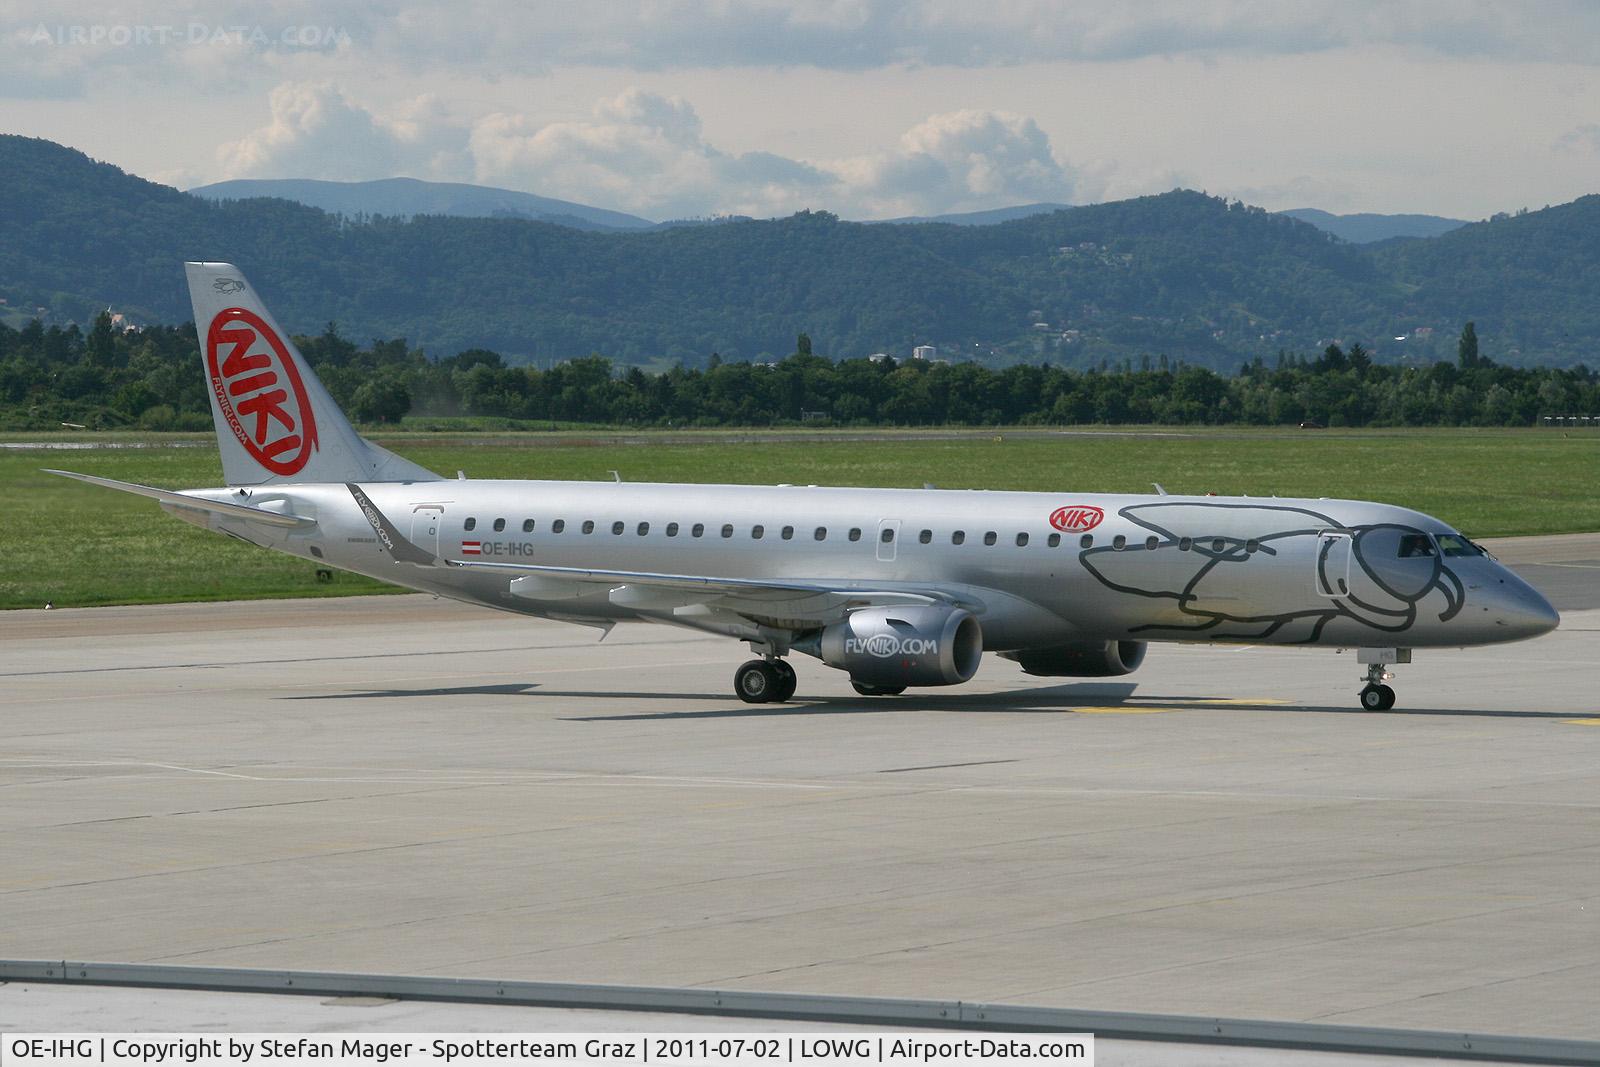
<point>1180,274</point>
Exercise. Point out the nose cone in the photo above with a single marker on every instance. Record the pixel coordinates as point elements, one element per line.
<point>1518,610</point>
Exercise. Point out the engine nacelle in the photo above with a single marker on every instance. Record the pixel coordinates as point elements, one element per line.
<point>1083,659</point>
<point>891,647</point>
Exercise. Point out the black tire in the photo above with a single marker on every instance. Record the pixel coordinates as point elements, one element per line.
<point>788,681</point>
<point>755,682</point>
<point>1372,698</point>
<point>1388,698</point>
<point>877,690</point>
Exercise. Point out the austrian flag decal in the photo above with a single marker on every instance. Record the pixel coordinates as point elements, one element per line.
<point>471,548</point>
<point>1075,517</point>
<point>259,391</point>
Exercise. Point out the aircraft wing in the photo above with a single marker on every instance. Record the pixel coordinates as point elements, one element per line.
<point>195,503</point>
<point>774,602</point>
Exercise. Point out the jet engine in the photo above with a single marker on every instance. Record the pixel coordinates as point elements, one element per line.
<point>891,648</point>
<point>1082,659</point>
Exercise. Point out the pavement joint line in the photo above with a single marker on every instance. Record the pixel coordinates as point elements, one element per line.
<point>514,777</point>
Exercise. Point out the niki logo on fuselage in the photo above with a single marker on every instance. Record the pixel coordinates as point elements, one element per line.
<point>259,391</point>
<point>1370,578</point>
<point>1075,518</point>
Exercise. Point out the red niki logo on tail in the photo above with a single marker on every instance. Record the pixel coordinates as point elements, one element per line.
<point>1075,517</point>
<point>259,390</point>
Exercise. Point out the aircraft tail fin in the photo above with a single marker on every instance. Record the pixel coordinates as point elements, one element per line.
<point>275,420</point>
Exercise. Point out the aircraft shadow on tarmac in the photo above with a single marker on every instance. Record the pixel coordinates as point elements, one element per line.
<point>1101,697</point>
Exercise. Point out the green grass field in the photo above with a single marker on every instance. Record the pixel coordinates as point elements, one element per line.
<point>73,544</point>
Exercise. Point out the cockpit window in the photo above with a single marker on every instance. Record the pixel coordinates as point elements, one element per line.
<point>1413,545</point>
<point>1456,545</point>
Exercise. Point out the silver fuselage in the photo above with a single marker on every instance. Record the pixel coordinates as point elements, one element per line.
<point>1153,568</point>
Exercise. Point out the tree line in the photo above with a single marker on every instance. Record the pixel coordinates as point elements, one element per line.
<point>151,379</point>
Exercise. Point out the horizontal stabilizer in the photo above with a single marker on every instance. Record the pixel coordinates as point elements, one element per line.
<point>183,500</point>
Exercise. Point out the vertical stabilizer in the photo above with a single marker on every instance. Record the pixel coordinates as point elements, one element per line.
<point>275,420</point>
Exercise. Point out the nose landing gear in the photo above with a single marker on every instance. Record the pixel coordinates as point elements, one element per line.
<point>1376,696</point>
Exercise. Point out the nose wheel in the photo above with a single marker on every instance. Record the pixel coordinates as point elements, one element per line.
<point>764,681</point>
<point>1377,698</point>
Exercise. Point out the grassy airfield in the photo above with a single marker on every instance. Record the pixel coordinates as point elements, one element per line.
<point>72,544</point>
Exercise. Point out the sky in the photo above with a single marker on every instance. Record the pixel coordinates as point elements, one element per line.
<point>867,108</point>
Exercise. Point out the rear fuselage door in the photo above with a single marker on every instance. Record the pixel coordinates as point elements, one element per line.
<point>1332,576</point>
<point>888,539</point>
<point>425,522</point>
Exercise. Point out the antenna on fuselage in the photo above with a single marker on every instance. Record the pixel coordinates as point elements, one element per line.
<point>1159,490</point>
<point>616,476</point>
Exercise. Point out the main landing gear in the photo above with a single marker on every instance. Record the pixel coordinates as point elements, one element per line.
<point>764,681</point>
<point>1376,696</point>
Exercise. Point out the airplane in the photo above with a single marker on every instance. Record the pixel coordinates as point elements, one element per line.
<point>899,588</point>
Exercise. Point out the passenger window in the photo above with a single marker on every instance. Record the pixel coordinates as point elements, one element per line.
<point>559,526</point>
<point>588,526</point>
<point>1219,545</point>
<point>1413,545</point>
<point>1184,544</point>
<point>886,534</point>
<point>617,528</point>
<point>527,526</point>
<point>1151,542</point>
<point>672,529</point>
<point>727,529</point>
<point>990,538</point>
<point>855,533</point>
<point>958,537</point>
<point>926,537</point>
<point>1118,543</point>
<point>788,533</point>
<point>499,525</point>
<point>757,532</point>
<point>470,524</point>
<point>821,533</point>
<point>1252,545</point>
<point>1022,540</point>
<point>698,530</point>
<point>644,528</point>
<point>1086,541</point>
<point>1054,540</point>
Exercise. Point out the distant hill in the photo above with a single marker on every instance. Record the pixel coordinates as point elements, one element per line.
<point>1365,228</point>
<point>1181,274</point>
<point>984,218</point>
<point>405,197</point>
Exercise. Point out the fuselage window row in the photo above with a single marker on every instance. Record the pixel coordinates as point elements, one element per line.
<point>886,534</point>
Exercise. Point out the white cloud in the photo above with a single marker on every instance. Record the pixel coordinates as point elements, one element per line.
<point>960,161</point>
<point>316,133</point>
<point>647,153</point>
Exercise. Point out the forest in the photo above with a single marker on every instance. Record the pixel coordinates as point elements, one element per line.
<point>151,379</point>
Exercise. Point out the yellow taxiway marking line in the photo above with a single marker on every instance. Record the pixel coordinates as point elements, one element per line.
<point>1582,722</point>
<point>1125,710</point>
